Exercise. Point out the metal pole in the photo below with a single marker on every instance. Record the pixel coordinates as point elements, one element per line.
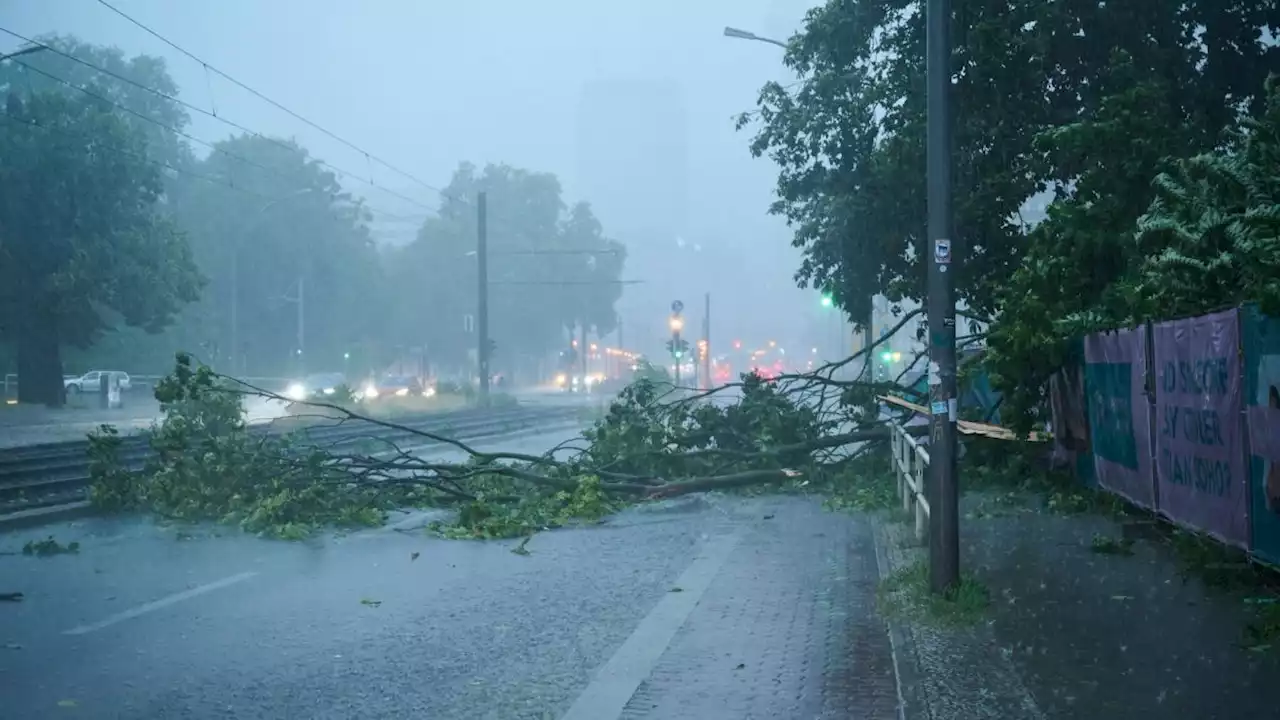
<point>482,300</point>
<point>944,516</point>
<point>235,307</point>
<point>302,309</point>
<point>706,341</point>
<point>583,350</point>
<point>679,360</point>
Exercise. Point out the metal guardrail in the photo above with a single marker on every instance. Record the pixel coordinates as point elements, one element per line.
<point>40,475</point>
<point>910,460</point>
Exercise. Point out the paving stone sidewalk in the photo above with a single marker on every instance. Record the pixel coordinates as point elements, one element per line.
<point>1072,632</point>
<point>786,628</point>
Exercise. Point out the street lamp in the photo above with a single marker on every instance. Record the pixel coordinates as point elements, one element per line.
<point>235,278</point>
<point>677,323</point>
<point>744,35</point>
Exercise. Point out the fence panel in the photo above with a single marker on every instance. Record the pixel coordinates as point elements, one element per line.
<point>1261,335</point>
<point>1119,429</point>
<point>1200,470</point>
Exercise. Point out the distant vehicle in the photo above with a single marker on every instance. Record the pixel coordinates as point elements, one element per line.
<point>574,382</point>
<point>315,387</point>
<point>395,386</point>
<point>91,382</point>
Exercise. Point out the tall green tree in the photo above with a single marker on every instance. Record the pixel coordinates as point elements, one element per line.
<point>1087,100</point>
<point>83,244</point>
<point>273,228</point>
<point>550,268</point>
<point>136,85</point>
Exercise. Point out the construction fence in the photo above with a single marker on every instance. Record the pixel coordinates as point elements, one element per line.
<point>1182,417</point>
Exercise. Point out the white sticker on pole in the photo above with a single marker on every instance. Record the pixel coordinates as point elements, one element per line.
<point>952,410</point>
<point>935,378</point>
<point>942,251</point>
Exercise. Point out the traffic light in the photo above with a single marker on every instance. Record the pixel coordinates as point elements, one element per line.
<point>677,347</point>
<point>827,300</point>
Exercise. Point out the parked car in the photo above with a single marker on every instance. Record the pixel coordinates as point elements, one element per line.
<point>91,382</point>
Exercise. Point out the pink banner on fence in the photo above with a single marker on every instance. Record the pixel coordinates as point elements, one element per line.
<point>1200,466</point>
<point>1119,417</point>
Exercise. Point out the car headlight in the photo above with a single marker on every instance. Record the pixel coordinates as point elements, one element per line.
<point>560,379</point>
<point>296,392</point>
<point>328,391</point>
<point>429,392</point>
<point>402,392</point>
<point>371,392</point>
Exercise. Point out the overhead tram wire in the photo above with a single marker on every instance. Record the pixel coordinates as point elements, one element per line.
<point>249,131</point>
<point>276,104</point>
<point>7,117</point>
<point>173,98</point>
<point>169,128</point>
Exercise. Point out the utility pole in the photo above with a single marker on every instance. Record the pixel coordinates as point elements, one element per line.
<point>235,308</point>
<point>302,317</point>
<point>706,342</point>
<point>677,324</point>
<point>944,514</point>
<point>584,349</point>
<point>482,299</point>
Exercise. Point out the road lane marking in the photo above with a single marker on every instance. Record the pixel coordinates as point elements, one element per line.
<point>163,602</point>
<point>618,679</point>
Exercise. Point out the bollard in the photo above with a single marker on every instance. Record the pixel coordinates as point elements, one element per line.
<point>113,392</point>
<point>104,388</point>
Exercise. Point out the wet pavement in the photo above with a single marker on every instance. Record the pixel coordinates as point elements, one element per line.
<point>24,425</point>
<point>698,607</point>
<point>1074,632</point>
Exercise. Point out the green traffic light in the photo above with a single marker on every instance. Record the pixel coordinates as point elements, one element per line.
<point>826,301</point>
<point>886,356</point>
<point>678,354</point>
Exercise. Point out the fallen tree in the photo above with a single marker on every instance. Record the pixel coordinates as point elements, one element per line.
<point>811,432</point>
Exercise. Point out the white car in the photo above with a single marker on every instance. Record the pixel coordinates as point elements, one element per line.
<point>91,382</point>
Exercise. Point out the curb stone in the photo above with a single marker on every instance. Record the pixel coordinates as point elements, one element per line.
<point>948,673</point>
<point>35,517</point>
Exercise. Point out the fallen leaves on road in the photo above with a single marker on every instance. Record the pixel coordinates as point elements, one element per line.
<point>49,547</point>
<point>370,603</point>
<point>11,597</point>
<point>413,556</point>
<point>68,703</point>
<point>677,589</point>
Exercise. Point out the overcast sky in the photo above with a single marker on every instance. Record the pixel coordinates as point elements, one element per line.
<point>631,104</point>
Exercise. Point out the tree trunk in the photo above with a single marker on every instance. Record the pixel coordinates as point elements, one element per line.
<point>39,363</point>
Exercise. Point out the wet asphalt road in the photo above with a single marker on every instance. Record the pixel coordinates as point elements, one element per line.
<point>698,607</point>
<point>702,607</point>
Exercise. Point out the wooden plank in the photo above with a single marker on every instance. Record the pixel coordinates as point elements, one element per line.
<point>965,426</point>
